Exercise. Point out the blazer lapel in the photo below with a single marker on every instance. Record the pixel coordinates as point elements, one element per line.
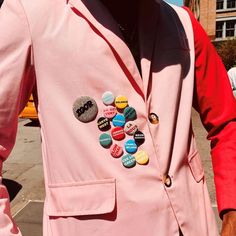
<point>148,36</point>
<point>104,25</point>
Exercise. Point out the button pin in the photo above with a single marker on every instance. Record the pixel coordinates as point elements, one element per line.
<point>109,112</point>
<point>116,151</point>
<point>103,124</point>
<point>85,109</point>
<point>108,98</point>
<point>139,138</point>
<point>130,128</point>
<point>153,118</point>
<point>118,133</point>
<point>128,161</point>
<point>105,140</point>
<point>131,146</point>
<point>119,120</point>
<point>141,157</point>
<point>130,113</point>
<point>121,102</point>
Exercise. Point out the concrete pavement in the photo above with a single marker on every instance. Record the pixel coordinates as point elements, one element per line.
<point>24,166</point>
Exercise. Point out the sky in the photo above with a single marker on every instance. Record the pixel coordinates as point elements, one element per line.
<point>176,2</point>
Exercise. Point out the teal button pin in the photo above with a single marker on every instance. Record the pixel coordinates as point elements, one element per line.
<point>130,113</point>
<point>105,140</point>
<point>128,161</point>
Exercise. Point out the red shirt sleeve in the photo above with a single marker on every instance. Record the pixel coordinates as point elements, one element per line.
<point>214,100</point>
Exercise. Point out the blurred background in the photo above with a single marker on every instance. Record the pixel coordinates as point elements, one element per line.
<point>176,2</point>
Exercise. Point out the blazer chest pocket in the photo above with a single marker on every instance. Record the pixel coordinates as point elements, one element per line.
<point>81,198</point>
<point>196,167</point>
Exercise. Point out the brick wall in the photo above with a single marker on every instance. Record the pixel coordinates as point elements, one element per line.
<point>226,14</point>
<point>208,16</point>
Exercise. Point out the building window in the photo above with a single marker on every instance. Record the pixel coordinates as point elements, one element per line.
<point>219,4</point>
<point>219,29</point>
<point>225,4</point>
<point>225,29</point>
<point>231,3</point>
<point>230,28</point>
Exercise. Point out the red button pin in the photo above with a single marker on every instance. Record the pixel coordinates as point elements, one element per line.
<point>116,151</point>
<point>118,133</point>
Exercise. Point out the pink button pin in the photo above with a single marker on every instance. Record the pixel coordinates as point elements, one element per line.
<point>109,112</point>
<point>116,151</point>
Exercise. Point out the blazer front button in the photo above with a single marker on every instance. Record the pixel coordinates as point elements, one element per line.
<point>167,181</point>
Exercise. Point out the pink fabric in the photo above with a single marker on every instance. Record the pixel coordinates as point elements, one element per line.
<point>95,197</point>
<point>75,53</point>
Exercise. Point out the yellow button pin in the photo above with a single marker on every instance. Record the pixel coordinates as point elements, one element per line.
<point>141,157</point>
<point>121,102</point>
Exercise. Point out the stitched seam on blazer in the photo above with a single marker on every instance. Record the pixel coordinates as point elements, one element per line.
<point>85,183</point>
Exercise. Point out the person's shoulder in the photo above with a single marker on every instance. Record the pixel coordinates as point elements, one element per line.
<point>232,74</point>
<point>171,11</point>
<point>232,70</point>
<point>201,38</point>
<point>172,25</point>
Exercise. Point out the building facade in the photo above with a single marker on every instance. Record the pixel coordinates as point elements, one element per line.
<point>218,17</point>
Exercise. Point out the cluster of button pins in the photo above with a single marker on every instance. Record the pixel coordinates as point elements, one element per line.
<point>119,117</point>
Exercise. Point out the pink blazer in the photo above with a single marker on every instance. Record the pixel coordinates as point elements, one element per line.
<point>75,49</point>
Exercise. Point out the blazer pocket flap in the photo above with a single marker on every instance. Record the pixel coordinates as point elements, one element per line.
<point>196,167</point>
<point>82,198</point>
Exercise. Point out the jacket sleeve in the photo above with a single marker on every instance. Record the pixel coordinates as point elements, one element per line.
<point>16,82</point>
<point>214,100</point>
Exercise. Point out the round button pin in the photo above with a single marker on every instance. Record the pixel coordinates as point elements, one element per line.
<point>118,133</point>
<point>121,102</point>
<point>105,140</point>
<point>128,161</point>
<point>141,157</point>
<point>167,181</point>
<point>130,146</point>
<point>108,98</point>
<point>103,124</point>
<point>130,113</point>
<point>116,151</point>
<point>139,138</point>
<point>109,112</point>
<point>153,118</point>
<point>119,120</point>
<point>85,109</point>
<point>130,128</point>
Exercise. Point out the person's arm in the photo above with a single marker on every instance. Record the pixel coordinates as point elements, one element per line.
<point>214,101</point>
<point>16,81</point>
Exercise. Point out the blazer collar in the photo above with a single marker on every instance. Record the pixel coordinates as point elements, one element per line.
<point>102,23</point>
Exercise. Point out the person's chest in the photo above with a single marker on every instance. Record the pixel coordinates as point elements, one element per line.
<point>83,43</point>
